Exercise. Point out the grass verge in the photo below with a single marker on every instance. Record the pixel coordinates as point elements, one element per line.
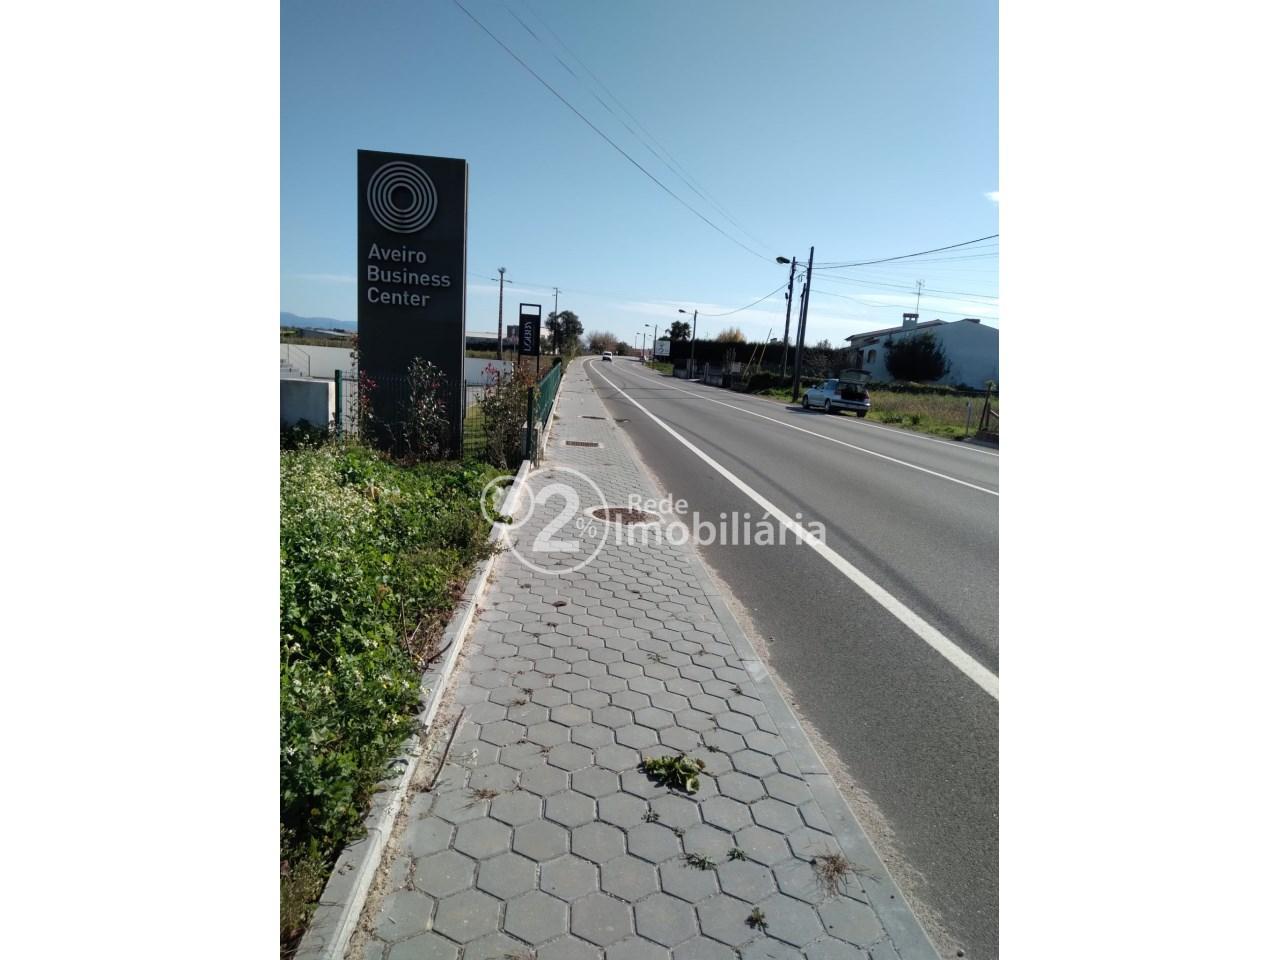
<point>373,556</point>
<point>938,414</point>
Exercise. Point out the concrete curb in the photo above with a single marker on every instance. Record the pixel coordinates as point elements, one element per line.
<point>340,905</point>
<point>899,920</point>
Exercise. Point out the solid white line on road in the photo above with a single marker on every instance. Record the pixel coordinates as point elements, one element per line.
<point>962,661</point>
<point>843,443</point>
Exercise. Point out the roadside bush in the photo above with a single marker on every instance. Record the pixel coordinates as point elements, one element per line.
<point>371,557</point>
<point>916,357</point>
<point>303,434</point>
<point>505,407</point>
<point>766,381</point>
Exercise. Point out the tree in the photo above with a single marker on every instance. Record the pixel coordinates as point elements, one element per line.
<point>565,329</point>
<point>622,349</point>
<point>917,358</point>
<point>730,335</point>
<point>598,341</point>
<point>679,331</point>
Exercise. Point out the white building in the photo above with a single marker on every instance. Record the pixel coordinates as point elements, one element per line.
<point>972,349</point>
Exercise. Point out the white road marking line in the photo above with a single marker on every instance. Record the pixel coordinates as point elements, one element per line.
<point>971,668</point>
<point>843,443</point>
<point>861,424</point>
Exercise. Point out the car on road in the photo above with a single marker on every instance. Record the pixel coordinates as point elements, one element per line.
<point>838,395</point>
<point>607,356</point>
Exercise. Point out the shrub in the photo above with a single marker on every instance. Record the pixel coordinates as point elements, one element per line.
<point>916,357</point>
<point>766,381</point>
<point>505,406</point>
<point>371,554</point>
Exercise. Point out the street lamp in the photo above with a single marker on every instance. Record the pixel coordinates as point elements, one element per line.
<point>786,331</point>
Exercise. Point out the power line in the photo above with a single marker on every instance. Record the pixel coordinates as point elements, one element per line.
<point>749,305</point>
<point>678,168</point>
<point>605,136</point>
<point>899,306</point>
<point>958,294</point>
<point>830,265</point>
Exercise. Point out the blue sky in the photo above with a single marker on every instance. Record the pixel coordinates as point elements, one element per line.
<point>868,129</point>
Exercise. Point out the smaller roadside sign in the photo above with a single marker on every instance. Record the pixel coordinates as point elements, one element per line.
<point>662,348</point>
<point>530,344</point>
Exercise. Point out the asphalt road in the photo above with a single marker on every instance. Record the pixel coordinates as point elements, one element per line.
<point>920,518</point>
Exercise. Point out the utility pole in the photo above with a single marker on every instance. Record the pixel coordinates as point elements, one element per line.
<point>786,331</point>
<point>555,312</point>
<point>919,288</point>
<point>800,329</point>
<point>693,339</point>
<point>502,272</point>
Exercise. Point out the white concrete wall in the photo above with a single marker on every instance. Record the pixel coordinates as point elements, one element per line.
<point>474,367</point>
<point>974,352</point>
<point>310,400</point>
<point>320,362</point>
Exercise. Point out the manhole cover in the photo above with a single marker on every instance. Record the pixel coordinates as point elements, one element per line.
<point>581,443</point>
<point>624,515</point>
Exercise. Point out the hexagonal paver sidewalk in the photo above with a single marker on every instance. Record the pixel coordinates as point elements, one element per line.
<point>543,839</point>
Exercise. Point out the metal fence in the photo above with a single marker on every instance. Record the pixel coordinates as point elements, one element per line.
<point>388,411</point>
<point>385,410</point>
<point>541,399</point>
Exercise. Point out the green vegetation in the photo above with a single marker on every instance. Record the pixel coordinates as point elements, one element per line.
<point>295,336</point>
<point>939,414</point>
<point>372,555</point>
<point>917,357</point>
<point>939,411</point>
<point>663,367</point>
<point>680,773</point>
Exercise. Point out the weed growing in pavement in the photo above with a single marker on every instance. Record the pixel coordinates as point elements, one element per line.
<point>679,773</point>
<point>650,816</point>
<point>756,920</point>
<point>832,870</point>
<point>481,793</point>
<point>737,854</point>
<point>699,861</point>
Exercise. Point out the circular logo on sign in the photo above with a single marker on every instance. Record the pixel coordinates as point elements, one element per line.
<point>401,197</point>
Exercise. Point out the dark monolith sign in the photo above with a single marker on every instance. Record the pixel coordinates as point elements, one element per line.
<point>411,272</point>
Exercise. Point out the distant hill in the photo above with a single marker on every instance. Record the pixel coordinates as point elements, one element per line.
<point>316,323</point>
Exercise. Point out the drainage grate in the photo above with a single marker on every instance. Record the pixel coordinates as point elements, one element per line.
<point>623,515</point>
<point>581,443</point>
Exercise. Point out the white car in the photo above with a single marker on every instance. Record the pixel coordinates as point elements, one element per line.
<point>607,357</point>
<point>836,395</point>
